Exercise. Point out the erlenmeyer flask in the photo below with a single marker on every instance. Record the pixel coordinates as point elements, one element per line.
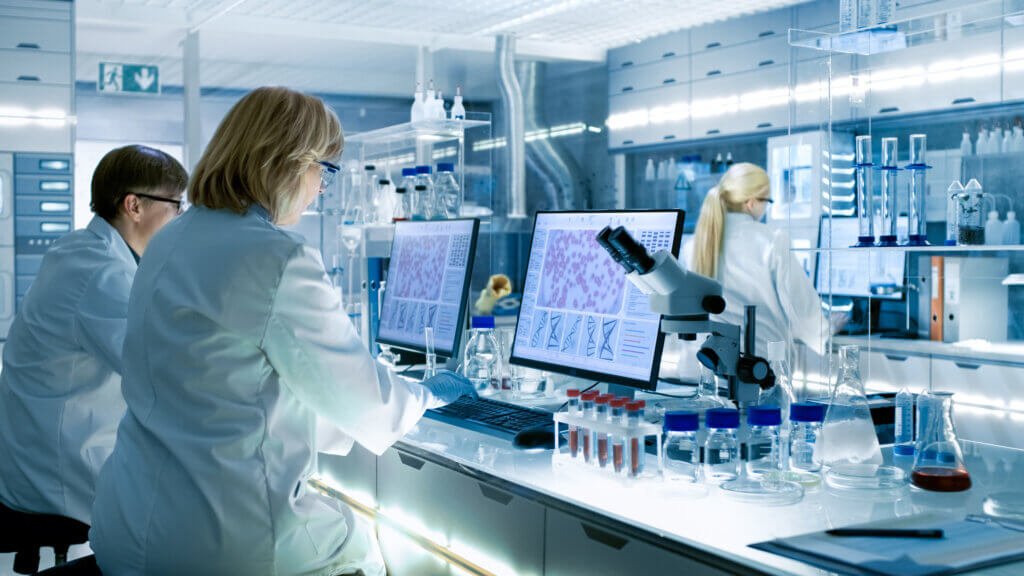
<point>939,464</point>
<point>848,436</point>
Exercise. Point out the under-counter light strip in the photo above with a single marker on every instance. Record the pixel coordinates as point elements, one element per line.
<point>941,72</point>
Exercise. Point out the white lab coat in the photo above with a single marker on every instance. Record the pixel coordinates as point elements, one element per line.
<point>60,389</point>
<point>756,267</point>
<point>236,344</point>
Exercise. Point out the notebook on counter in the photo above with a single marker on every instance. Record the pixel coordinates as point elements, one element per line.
<point>965,546</point>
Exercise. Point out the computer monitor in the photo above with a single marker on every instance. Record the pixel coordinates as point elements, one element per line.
<point>858,272</point>
<point>428,284</point>
<point>580,315</point>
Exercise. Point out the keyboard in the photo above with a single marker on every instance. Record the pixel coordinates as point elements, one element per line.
<point>490,416</point>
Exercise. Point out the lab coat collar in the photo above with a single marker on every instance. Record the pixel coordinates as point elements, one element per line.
<point>260,211</point>
<point>100,227</point>
<point>740,218</point>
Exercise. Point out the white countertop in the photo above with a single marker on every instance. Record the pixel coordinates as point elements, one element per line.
<point>1010,352</point>
<point>710,521</point>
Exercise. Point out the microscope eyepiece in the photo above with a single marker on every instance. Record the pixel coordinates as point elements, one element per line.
<point>632,252</point>
<point>602,240</point>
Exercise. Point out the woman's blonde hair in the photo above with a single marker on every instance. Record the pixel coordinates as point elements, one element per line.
<point>742,182</point>
<point>261,150</point>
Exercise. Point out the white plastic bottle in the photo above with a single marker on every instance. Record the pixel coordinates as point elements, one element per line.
<point>439,113</point>
<point>993,229</point>
<point>650,172</point>
<point>952,209</point>
<point>458,110</point>
<point>1007,144</point>
<point>1011,229</point>
<point>965,144</point>
<point>1018,139</point>
<point>981,146</point>
<point>994,141</point>
<point>418,104</point>
<point>904,440</point>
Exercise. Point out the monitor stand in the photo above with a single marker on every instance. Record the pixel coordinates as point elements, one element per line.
<point>621,390</point>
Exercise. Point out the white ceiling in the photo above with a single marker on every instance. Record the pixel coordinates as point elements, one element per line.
<point>370,46</point>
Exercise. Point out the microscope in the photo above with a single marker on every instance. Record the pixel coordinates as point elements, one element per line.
<point>685,301</point>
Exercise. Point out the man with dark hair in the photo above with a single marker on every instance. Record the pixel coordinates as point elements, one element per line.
<point>60,388</point>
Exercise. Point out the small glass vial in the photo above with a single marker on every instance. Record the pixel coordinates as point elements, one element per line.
<point>764,452</point>
<point>573,408</point>
<point>636,454</point>
<point>721,449</point>
<point>402,210</point>
<point>618,442</point>
<point>587,403</point>
<point>806,419</point>
<point>681,451</point>
<point>601,414</point>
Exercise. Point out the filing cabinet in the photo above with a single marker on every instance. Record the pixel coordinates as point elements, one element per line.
<point>771,51</point>
<point>741,30</point>
<point>43,206</point>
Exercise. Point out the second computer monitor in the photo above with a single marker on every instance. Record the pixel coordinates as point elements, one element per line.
<point>580,315</point>
<point>428,284</point>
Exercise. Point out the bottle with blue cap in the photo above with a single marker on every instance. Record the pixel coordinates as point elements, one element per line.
<point>764,452</point>
<point>806,419</point>
<point>681,451</point>
<point>482,358</point>
<point>721,448</point>
<point>449,196</point>
<point>426,208</point>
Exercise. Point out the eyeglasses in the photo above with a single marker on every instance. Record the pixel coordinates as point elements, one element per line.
<point>328,172</point>
<point>179,205</point>
<point>767,200</point>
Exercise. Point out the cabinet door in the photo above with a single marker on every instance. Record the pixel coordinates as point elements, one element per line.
<point>820,14</point>
<point>31,34</point>
<point>1013,66</point>
<point>980,390</point>
<point>574,546</point>
<point>741,30</point>
<point>35,135</point>
<point>627,120</point>
<point>650,50</point>
<point>891,371</point>
<point>7,200</point>
<point>668,115</point>
<point>771,51</point>
<point>741,103</point>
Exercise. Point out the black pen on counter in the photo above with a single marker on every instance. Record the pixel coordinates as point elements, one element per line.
<point>887,532</point>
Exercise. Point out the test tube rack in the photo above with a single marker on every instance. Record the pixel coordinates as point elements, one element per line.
<point>634,437</point>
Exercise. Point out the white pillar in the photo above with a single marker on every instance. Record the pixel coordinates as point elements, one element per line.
<point>193,124</point>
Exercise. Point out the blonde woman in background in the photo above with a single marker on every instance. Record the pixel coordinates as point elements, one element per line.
<point>754,264</point>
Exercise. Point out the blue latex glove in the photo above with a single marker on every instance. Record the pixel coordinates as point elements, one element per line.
<point>448,386</point>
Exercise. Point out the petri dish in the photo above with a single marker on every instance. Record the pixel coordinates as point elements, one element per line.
<point>1007,505</point>
<point>765,492</point>
<point>865,477</point>
<point>808,480</point>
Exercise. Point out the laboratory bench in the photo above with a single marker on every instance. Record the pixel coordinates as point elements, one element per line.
<point>509,511</point>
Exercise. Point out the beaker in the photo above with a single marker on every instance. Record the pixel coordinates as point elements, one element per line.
<point>890,194</point>
<point>917,209</point>
<point>970,208</point>
<point>848,436</point>
<point>939,465</point>
<point>865,194</point>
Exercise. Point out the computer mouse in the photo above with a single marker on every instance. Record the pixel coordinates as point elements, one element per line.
<point>539,438</point>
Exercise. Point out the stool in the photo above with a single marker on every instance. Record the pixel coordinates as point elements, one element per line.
<point>24,534</point>
<point>85,566</point>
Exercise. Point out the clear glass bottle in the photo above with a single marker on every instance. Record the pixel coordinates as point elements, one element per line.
<point>427,197</point>
<point>601,413</point>
<point>805,436</point>
<point>449,194</point>
<point>637,455</point>
<point>384,201</point>
<point>939,465</point>
<point>401,212</point>
<point>781,394</point>
<point>572,406</point>
<point>848,436</point>
<point>764,449</point>
<point>617,441</point>
<point>681,450</point>
<point>482,358</point>
<point>952,212</point>
<point>587,411</point>
<point>970,228</point>
<point>721,449</point>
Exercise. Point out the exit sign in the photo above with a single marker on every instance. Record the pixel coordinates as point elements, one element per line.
<point>128,78</point>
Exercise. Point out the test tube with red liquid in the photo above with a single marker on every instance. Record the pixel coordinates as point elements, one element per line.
<point>573,408</point>
<point>634,417</point>
<point>618,416</point>
<point>587,401</point>
<point>601,438</point>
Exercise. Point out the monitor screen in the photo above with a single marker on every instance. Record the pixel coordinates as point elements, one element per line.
<point>428,284</point>
<point>579,314</point>
<point>857,272</point>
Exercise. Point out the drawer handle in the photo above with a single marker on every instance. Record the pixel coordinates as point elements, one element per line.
<point>668,54</point>
<point>967,366</point>
<point>669,81</point>
<point>765,125</point>
<point>967,100</point>
<point>54,227</point>
<point>627,63</point>
<point>627,88</point>
<point>669,137</point>
<point>54,207</point>
<point>54,186</point>
<point>414,463</point>
<point>26,78</point>
<point>712,45</point>
<point>895,358</point>
<point>713,72</point>
<point>607,538</point>
<point>713,131</point>
<point>28,46</point>
<point>889,110</point>
<point>627,142</point>
<point>765,63</point>
<point>492,493</point>
<point>766,34</point>
<point>53,165</point>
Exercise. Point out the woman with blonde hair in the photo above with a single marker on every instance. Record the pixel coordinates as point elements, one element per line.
<point>754,264</point>
<point>237,350</point>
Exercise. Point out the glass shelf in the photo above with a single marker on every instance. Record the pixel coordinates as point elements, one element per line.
<point>429,130</point>
<point>964,20</point>
<point>934,249</point>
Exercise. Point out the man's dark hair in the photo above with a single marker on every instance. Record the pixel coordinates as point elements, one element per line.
<point>133,169</point>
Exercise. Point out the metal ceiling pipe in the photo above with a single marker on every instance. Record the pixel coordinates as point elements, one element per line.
<point>515,146</point>
<point>550,163</point>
